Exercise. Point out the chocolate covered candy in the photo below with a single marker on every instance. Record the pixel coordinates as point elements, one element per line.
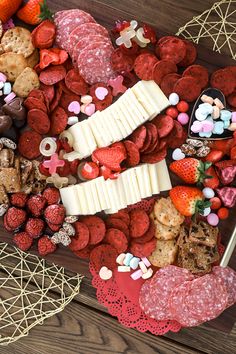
<point>15,109</point>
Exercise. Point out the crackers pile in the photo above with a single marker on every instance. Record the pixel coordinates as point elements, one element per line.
<point>18,59</point>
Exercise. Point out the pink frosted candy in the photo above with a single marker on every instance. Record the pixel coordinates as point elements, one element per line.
<point>53,163</point>
<point>117,85</point>
<point>183,118</point>
<point>233,117</point>
<point>137,274</point>
<point>213,219</point>
<point>196,127</point>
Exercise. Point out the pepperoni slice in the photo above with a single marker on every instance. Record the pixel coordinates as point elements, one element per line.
<point>164,124</point>
<point>75,82</point>
<point>28,145</point>
<point>59,120</point>
<point>143,66</point>
<point>223,80</point>
<point>35,103</point>
<point>191,54</point>
<point>199,72</point>
<point>81,238</point>
<point>162,68</point>
<point>52,75</point>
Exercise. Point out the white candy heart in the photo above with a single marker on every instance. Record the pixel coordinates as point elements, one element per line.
<point>120,258</point>
<point>178,154</point>
<point>101,93</point>
<point>105,273</point>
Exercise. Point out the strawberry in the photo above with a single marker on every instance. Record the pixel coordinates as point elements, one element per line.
<point>110,157</point>
<point>214,156</point>
<point>188,200</point>
<point>90,170</point>
<point>190,170</point>
<point>8,8</point>
<point>223,145</point>
<point>45,246</point>
<point>212,182</point>
<point>34,11</point>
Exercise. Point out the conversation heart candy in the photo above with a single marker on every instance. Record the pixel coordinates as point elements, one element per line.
<point>105,273</point>
<point>226,124</point>
<point>134,263</point>
<point>74,107</point>
<point>120,259</point>
<point>101,93</point>
<point>127,259</point>
<point>233,117</point>
<point>89,109</point>
<point>200,116</point>
<point>225,114</point>
<point>207,126</point>
<point>216,112</point>
<point>196,127</point>
<point>177,154</point>
<point>205,108</point>
<point>218,128</point>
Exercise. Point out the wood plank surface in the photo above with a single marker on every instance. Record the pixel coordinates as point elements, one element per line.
<point>84,326</point>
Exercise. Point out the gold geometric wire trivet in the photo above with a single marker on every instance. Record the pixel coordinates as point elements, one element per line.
<point>215,28</point>
<point>30,291</point>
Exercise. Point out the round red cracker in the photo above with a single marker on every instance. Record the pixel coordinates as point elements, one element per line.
<point>168,82</point>
<point>145,204</point>
<point>103,256</point>
<point>36,93</point>
<point>231,99</point>
<point>187,88</point>
<point>143,250</point>
<point>164,124</point>
<point>162,68</point>
<point>75,82</point>
<point>191,54</point>
<point>113,222</point>
<point>138,136</point>
<point>52,74</point>
<point>117,239</point>
<point>147,142</point>
<point>96,228</point>
<point>123,215</point>
<point>133,156</point>
<point>35,103</point>
<point>58,120</point>
<point>154,141</point>
<point>28,144</point>
<point>173,49</point>
<point>66,99</point>
<point>148,235</point>
<point>121,62</point>
<point>199,72</point>
<point>139,223</point>
<point>38,121</point>
<point>81,238</point>
<point>143,65</point>
<point>223,80</point>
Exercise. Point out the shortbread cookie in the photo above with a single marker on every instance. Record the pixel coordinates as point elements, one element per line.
<point>10,179</point>
<point>203,233</point>
<point>163,232</point>
<point>3,195</point>
<point>18,40</point>
<point>164,254</point>
<point>166,212</point>
<point>26,82</point>
<point>33,59</point>
<point>12,65</point>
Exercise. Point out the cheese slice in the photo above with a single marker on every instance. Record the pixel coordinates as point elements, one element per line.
<point>102,192</point>
<point>109,126</point>
<point>140,114</point>
<point>130,197</point>
<point>156,94</point>
<point>128,112</point>
<point>82,198</point>
<point>107,137</point>
<point>143,179</point>
<point>134,186</point>
<point>70,200</point>
<point>114,207</point>
<point>148,98</point>
<point>90,140</point>
<point>96,199</point>
<point>163,176</point>
<point>118,119</point>
<point>111,122</point>
<point>124,115</point>
<point>88,192</point>
<point>97,129</point>
<point>152,168</point>
<point>144,101</point>
<point>121,192</point>
<point>80,142</point>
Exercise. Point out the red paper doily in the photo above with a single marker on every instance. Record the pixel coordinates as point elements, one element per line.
<point>120,296</point>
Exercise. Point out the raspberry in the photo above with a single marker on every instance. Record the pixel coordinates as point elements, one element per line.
<point>52,195</point>
<point>23,240</point>
<point>5,224</point>
<point>15,217</point>
<point>53,227</point>
<point>19,199</point>
<point>45,246</point>
<point>34,227</point>
<point>55,214</point>
<point>36,204</point>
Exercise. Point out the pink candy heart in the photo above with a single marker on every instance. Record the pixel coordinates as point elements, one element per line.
<point>105,273</point>
<point>89,109</point>
<point>207,126</point>
<point>196,127</point>
<point>74,107</point>
<point>101,93</point>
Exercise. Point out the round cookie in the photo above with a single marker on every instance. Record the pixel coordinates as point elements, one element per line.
<point>164,254</point>
<point>166,213</point>
<point>18,40</point>
<point>12,65</point>
<point>163,232</point>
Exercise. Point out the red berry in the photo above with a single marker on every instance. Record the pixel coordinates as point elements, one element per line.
<point>53,227</point>
<point>52,195</point>
<point>43,170</point>
<point>34,227</point>
<point>121,25</point>
<point>6,226</point>
<point>23,240</point>
<point>45,246</point>
<point>65,170</point>
<point>65,145</point>
<point>55,214</point>
<point>15,217</point>
<point>90,170</point>
<point>74,166</point>
<point>223,213</point>
<point>172,112</point>
<point>105,172</point>
<point>215,203</point>
<point>214,156</point>
<point>18,199</point>
<point>183,106</point>
<point>36,204</point>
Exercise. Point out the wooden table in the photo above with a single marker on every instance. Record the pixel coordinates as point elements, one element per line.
<point>85,326</point>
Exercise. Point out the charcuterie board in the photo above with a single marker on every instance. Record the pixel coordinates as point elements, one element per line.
<point>65,258</point>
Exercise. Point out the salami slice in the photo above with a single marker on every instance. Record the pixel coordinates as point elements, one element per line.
<point>187,88</point>
<point>199,72</point>
<point>84,30</point>
<point>94,63</point>
<point>67,24</point>
<point>84,42</point>
<point>162,68</point>
<point>159,291</point>
<point>228,277</point>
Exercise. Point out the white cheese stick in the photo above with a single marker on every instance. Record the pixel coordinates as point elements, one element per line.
<point>163,176</point>
<point>70,200</point>
<point>152,169</point>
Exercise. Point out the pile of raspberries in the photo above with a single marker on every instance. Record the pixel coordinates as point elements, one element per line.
<point>33,217</point>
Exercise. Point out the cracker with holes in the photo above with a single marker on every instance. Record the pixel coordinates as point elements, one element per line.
<point>12,65</point>
<point>166,213</point>
<point>33,59</point>
<point>18,40</point>
<point>26,82</point>
<point>164,254</point>
<point>163,232</point>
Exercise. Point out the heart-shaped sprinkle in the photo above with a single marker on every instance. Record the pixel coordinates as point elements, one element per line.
<point>89,109</point>
<point>74,107</point>
<point>120,259</point>
<point>101,93</point>
<point>105,273</point>
<point>178,155</point>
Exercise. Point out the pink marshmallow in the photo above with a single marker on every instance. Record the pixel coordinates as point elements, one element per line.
<point>137,274</point>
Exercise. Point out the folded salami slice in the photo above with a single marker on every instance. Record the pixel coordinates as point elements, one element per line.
<point>228,277</point>
<point>154,297</point>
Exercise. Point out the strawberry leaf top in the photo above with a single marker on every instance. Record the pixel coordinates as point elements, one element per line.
<point>45,13</point>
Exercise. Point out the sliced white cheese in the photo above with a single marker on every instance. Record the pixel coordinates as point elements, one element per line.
<point>140,114</point>
<point>90,140</point>
<point>118,119</point>
<point>130,197</point>
<point>114,207</point>
<point>112,124</point>
<point>124,116</point>
<point>82,198</point>
<point>128,113</point>
<point>143,179</point>
<point>141,97</point>
<point>70,200</point>
<point>148,98</point>
<point>152,168</point>
<point>88,192</point>
<point>102,193</point>
<point>107,137</point>
<point>134,185</point>
<point>163,176</point>
<point>121,192</point>
<point>80,143</point>
<point>156,94</point>
<point>97,129</point>
<point>96,199</point>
